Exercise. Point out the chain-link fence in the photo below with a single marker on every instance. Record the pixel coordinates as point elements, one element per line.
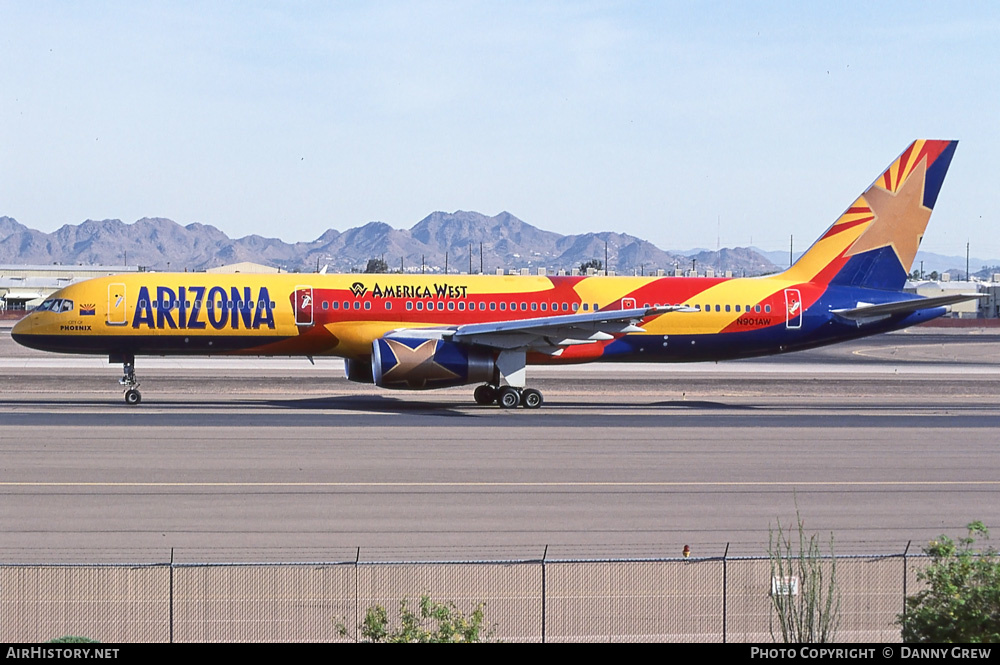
<point>697,599</point>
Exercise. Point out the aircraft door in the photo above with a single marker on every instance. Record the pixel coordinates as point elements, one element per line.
<point>303,306</point>
<point>117,305</point>
<point>793,309</point>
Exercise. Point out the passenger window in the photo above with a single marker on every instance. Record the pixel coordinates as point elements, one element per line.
<point>336,304</point>
<point>461,306</point>
<point>482,306</point>
<point>545,307</point>
<point>534,307</point>
<point>420,306</point>
<point>503,307</point>
<point>440,306</point>
<point>368,304</point>
<point>493,306</point>
<point>767,308</point>
<point>727,308</point>
<point>326,305</point>
<point>409,305</point>
<point>576,306</point>
<point>565,307</point>
<point>717,308</point>
<point>451,305</point>
<point>756,308</point>
<point>524,307</point>
<point>388,306</point>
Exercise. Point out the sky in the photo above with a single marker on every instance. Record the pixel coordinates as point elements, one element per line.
<point>688,124</point>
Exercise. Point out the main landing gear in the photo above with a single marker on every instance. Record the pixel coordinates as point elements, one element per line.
<point>129,382</point>
<point>508,397</point>
<point>510,365</point>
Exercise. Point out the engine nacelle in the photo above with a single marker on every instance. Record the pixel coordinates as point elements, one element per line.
<point>421,364</point>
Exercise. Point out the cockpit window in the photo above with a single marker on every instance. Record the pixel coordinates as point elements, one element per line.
<point>55,305</point>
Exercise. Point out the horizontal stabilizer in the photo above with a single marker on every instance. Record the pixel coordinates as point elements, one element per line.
<point>865,310</point>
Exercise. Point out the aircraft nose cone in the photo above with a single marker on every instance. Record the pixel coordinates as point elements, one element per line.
<point>22,328</point>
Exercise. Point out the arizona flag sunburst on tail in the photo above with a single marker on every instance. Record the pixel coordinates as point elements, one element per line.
<point>873,244</point>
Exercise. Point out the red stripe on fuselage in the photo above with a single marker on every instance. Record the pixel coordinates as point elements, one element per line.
<point>559,299</point>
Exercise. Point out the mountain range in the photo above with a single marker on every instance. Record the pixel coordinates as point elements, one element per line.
<point>501,241</point>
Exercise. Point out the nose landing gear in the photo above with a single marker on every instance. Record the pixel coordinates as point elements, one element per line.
<point>129,382</point>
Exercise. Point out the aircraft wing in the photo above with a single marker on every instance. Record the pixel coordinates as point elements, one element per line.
<point>545,333</point>
<point>866,310</point>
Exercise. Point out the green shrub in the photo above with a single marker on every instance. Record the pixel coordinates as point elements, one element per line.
<point>962,600</point>
<point>429,622</point>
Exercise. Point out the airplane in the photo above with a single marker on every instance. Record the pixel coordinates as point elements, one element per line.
<point>416,332</point>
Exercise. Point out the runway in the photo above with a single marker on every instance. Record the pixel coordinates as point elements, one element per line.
<point>881,442</point>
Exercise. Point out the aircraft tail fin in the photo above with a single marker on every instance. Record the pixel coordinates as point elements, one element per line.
<point>875,240</point>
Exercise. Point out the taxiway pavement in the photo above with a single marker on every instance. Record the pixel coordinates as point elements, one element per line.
<point>881,442</point>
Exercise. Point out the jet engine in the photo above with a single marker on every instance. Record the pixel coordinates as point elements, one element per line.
<point>419,364</point>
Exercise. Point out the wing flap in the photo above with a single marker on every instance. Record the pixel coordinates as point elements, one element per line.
<point>549,331</point>
<point>545,332</point>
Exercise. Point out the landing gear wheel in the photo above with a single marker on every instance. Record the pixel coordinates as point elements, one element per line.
<point>531,398</point>
<point>132,397</point>
<point>509,397</point>
<point>485,394</point>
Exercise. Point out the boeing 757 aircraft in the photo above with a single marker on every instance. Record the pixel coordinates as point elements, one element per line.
<point>416,332</point>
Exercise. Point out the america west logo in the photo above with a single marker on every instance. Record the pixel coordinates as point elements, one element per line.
<point>358,289</point>
<point>416,290</point>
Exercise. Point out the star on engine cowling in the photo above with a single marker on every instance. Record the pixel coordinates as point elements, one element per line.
<point>417,361</point>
